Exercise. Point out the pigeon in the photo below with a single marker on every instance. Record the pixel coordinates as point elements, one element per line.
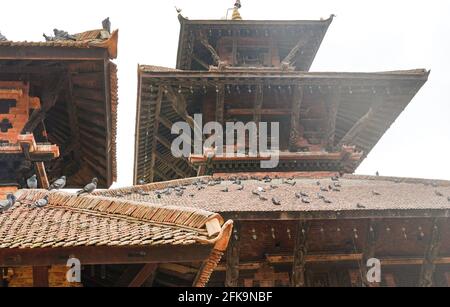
<point>337,185</point>
<point>359,206</point>
<point>40,202</point>
<point>375,193</point>
<point>63,35</point>
<point>262,198</point>
<point>377,174</point>
<point>261,190</point>
<point>291,183</point>
<point>323,189</point>
<point>8,203</point>
<point>318,183</point>
<point>240,188</point>
<point>89,188</point>
<point>448,198</point>
<point>273,187</point>
<point>141,182</point>
<point>143,193</point>
<point>438,193</point>
<point>335,178</point>
<point>179,193</point>
<point>58,184</point>
<point>178,10</point>
<point>192,195</point>
<point>276,201</point>
<point>225,190</point>
<point>336,190</point>
<point>306,200</point>
<point>256,193</point>
<point>106,24</point>
<point>301,194</point>
<point>32,182</point>
<point>320,196</point>
<point>2,38</point>
<point>327,201</point>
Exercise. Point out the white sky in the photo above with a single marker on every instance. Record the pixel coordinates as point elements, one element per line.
<point>365,36</point>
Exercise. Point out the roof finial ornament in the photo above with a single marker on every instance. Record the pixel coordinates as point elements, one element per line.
<point>236,15</point>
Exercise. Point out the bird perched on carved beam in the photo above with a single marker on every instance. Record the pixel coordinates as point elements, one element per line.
<point>89,188</point>
<point>32,182</point>
<point>8,203</point>
<point>58,184</point>
<point>40,203</point>
<point>106,24</point>
<point>2,38</point>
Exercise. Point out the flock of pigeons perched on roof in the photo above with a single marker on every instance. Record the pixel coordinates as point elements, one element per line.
<point>60,35</point>
<point>58,184</point>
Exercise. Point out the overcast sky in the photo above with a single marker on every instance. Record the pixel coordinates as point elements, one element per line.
<point>365,36</point>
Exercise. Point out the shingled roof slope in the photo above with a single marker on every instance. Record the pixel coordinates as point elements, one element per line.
<point>358,194</point>
<point>70,221</point>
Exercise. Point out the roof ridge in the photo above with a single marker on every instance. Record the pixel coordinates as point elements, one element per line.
<point>169,215</point>
<point>411,180</point>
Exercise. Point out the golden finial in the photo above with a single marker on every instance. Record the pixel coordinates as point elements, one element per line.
<point>236,15</point>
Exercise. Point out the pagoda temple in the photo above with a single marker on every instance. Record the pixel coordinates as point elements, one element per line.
<point>309,221</point>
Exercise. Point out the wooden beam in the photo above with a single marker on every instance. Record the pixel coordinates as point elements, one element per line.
<point>104,255</point>
<point>42,175</point>
<point>51,53</point>
<point>369,251</point>
<point>297,99</point>
<point>258,104</point>
<point>431,254</point>
<point>108,121</point>
<point>359,126</point>
<point>300,251</point>
<point>72,112</point>
<point>171,165</point>
<point>155,131</point>
<point>40,276</point>
<point>220,104</point>
<point>202,63</point>
<point>331,122</point>
<point>232,258</point>
<point>259,111</point>
<point>147,271</point>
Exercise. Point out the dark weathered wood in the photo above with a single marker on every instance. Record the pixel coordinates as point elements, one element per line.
<point>145,272</point>
<point>300,251</point>
<point>297,99</point>
<point>259,97</point>
<point>42,175</point>
<point>431,254</point>
<point>52,53</point>
<point>287,61</point>
<point>369,251</point>
<point>331,122</point>
<point>199,61</point>
<point>232,258</point>
<point>103,255</point>
<point>220,101</point>
<point>171,165</point>
<point>155,131</point>
<point>72,112</point>
<point>108,121</point>
<point>40,276</point>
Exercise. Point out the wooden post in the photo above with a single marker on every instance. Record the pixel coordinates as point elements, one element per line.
<point>331,123</point>
<point>259,96</point>
<point>232,265</point>
<point>143,275</point>
<point>42,175</point>
<point>300,251</point>
<point>40,276</point>
<point>220,104</point>
<point>295,118</point>
<point>369,252</point>
<point>432,252</point>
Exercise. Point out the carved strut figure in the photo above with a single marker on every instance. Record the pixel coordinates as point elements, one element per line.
<point>58,184</point>
<point>8,203</point>
<point>32,182</point>
<point>89,188</point>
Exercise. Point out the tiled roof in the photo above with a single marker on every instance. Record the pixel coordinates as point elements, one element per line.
<point>69,221</point>
<point>371,193</point>
<point>88,39</point>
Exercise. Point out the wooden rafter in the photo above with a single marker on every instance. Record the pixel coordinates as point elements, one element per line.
<point>297,99</point>
<point>199,61</point>
<point>171,165</point>
<point>300,251</point>
<point>287,61</point>
<point>145,273</point>
<point>431,254</point>
<point>360,125</point>
<point>232,258</point>
<point>42,175</point>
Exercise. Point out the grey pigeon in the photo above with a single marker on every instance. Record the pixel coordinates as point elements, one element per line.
<point>240,188</point>
<point>106,24</point>
<point>63,35</point>
<point>225,190</point>
<point>306,200</point>
<point>32,182</point>
<point>376,193</point>
<point>40,202</point>
<point>337,185</point>
<point>323,189</point>
<point>2,38</point>
<point>255,193</point>
<point>335,178</point>
<point>320,196</point>
<point>89,188</point>
<point>58,184</point>
<point>318,183</point>
<point>8,203</point>
<point>141,182</point>
<point>262,198</point>
<point>438,193</point>
<point>327,201</point>
<point>179,193</point>
<point>359,206</point>
<point>276,201</point>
